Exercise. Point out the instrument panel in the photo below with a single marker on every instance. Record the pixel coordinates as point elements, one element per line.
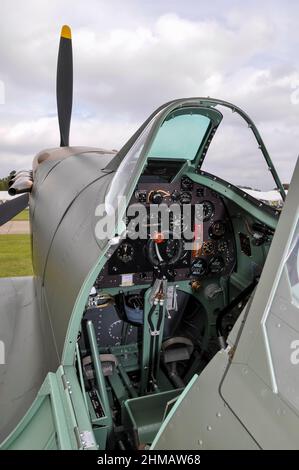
<point>138,261</point>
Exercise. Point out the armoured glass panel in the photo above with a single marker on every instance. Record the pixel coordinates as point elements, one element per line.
<point>180,135</point>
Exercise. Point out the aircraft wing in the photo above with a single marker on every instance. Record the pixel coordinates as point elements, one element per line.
<point>23,364</point>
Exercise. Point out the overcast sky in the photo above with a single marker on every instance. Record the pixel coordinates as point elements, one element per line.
<point>131,56</point>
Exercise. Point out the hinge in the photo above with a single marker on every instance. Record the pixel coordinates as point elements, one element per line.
<point>66,384</point>
<point>84,439</point>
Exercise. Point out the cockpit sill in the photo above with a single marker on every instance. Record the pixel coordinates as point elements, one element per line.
<point>223,186</point>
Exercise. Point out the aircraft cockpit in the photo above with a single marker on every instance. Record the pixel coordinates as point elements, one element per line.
<point>175,282</point>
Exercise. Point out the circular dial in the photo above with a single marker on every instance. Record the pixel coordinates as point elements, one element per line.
<point>125,252</point>
<point>171,247</point>
<point>167,251</point>
<point>216,265</point>
<point>217,229</point>
<point>199,267</point>
<point>208,248</point>
<point>208,210</point>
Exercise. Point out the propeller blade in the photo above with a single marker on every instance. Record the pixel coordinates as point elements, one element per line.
<point>64,84</point>
<point>11,208</point>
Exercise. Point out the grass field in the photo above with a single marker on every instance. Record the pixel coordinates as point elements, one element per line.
<point>15,255</point>
<point>23,215</point>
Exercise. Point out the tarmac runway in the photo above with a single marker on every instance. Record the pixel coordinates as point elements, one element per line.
<point>14,227</point>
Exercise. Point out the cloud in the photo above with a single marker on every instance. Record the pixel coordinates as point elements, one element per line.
<point>130,59</point>
<point>18,140</point>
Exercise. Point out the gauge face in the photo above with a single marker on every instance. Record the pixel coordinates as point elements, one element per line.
<point>125,252</point>
<point>208,210</point>
<point>208,247</point>
<point>217,229</point>
<point>171,248</point>
<point>216,265</point>
<point>185,198</point>
<point>168,251</point>
<point>199,267</point>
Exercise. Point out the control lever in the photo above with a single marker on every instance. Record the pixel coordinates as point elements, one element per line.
<point>172,300</point>
<point>158,299</point>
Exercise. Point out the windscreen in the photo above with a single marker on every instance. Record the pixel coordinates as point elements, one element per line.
<point>180,135</point>
<point>121,182</point>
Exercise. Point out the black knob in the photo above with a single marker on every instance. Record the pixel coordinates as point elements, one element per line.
<point>175,195</point>
<point>156,197</point>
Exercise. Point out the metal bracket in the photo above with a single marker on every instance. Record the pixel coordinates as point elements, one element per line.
<point>155,332</point>
<point>86,439</point>
<point>66,384</point>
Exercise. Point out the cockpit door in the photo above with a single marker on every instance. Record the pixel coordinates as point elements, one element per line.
<point>261,385</point>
